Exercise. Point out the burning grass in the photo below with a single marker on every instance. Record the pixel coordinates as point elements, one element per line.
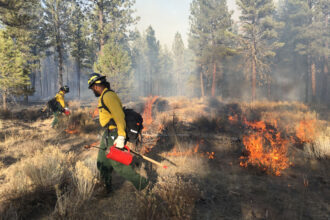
<point>80,121</point>
<point>200,141</point>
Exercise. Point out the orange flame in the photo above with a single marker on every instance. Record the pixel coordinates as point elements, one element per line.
<point>147,113</point>
<point>193,151</point>
<point>69,131</point>
<point>266,148</point>
<point>233,119</point>
<point>72,129</point>
<point>92,145</point>
<point>305,131</point>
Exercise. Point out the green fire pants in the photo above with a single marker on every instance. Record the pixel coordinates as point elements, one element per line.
<point>106,166</point>
<point>55,120</point>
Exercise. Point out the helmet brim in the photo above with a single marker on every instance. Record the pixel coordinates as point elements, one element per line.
<point>102,78</point>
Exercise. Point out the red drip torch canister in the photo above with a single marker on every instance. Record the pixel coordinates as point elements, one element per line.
<point>120,156</point>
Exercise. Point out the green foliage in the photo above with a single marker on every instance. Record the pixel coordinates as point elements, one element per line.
<point>13,74</point>
<point>210,34</point>
<point>18,13</point>
<point>22,20</point>
<point>306,34</point>
<point>259,38</point>
<point>152,53</point>
<point>178,58</point>
<point>115,63</point>
<point>78,33</point>
<point>110,19</point>
<point>165,75</point>
<point>56,25</point>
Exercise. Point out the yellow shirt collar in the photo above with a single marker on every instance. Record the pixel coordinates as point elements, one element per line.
<point>104,90</point>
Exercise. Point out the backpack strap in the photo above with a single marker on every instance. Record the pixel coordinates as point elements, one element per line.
<point>111,122</point>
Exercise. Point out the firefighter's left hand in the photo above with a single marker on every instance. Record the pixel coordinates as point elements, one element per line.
<point>120,142</point>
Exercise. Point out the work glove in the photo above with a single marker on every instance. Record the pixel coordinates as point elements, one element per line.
<point>66,111</point>
<point>120,142</point>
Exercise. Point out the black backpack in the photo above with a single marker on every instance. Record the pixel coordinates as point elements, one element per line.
<point>134,122</point>
<point>53,105</point>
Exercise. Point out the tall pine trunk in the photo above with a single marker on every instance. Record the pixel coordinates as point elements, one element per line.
<point>40,81</point>
<point>202,84</point>
<point>269,84</point>
<point>101,26</point>
<point>325,69</point>
<point>4,100</point>
<point>78,76</point>
<point>307,83</point>
<point>59,59</point>
<point>214,79</point>
<point>313,80</point>
<point>254,79</point>
<point>60,66</point>
<point>325,80</point>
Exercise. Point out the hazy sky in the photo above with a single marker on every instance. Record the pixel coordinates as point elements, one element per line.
<point>167,17</point>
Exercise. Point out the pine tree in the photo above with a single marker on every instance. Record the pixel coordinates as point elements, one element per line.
<point>306,33</point>
<point>56,24</point>
<point>78,33</point>
<point>152,53</point>
<point>17,13</point>
<point>139,64</point>
<point>23,25</point>
<point>178,57</point>
<point>312,39</point>
<point>210,38</point>
<point>13,74</point>
<point>165,76</point>
<point>111,19</point>
<point>258,39</point>
<point>115,63</point>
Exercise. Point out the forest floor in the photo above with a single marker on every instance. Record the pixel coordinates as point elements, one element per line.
<point>225,160</point>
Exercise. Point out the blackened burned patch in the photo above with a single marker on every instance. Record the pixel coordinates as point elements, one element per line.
<point>8,160</point>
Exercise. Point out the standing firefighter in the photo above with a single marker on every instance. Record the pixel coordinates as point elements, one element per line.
<point>112,117</point>
<point>58,105</point>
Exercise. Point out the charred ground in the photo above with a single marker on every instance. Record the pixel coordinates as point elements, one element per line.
<point>203,142</point>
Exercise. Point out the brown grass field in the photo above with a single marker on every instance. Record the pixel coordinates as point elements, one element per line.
<point>266,160</point>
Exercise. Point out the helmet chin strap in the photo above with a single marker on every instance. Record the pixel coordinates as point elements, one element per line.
<point>96,93</point>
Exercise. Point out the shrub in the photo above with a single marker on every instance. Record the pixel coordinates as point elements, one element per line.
<point>84,179</point>
<point>171,198</point>
<point>48,167</point>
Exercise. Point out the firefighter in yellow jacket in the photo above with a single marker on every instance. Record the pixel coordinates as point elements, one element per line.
<point>59,106</point>
<point>112,117</point>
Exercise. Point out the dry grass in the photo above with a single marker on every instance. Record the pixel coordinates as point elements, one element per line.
<point>80,119</point>
<point>320,147</point>
<point>85,177</point>
<point>171,198</point>
<point>51,174</point>
<point>49,167</point>
<point>44,169</point>
<point>276,106</point>
<point>41,176</point>
<point>72,202</point>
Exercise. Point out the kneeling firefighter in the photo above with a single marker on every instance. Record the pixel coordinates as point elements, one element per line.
<point>112,117</point>
<point>58,105</point>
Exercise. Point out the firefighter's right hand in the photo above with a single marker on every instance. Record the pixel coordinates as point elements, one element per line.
<point>66,111</point>
<point>120,142</point>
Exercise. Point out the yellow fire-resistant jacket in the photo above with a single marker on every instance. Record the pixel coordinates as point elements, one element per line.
<point>112,101</point>
<point>60,98</point>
